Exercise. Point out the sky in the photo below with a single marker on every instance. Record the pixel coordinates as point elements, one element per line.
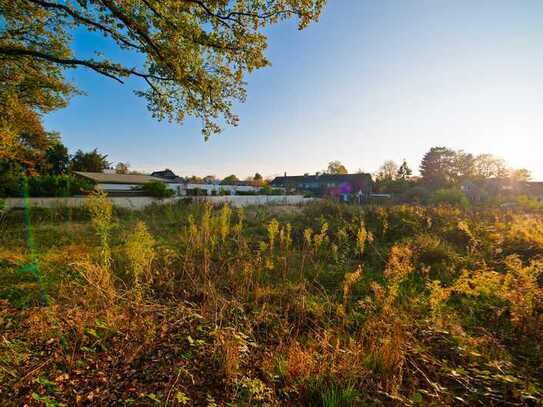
<point>371,81</point>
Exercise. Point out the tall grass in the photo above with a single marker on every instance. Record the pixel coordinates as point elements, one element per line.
<point>329,304</point>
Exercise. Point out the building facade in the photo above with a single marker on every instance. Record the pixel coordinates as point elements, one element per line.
<point>345,187</point>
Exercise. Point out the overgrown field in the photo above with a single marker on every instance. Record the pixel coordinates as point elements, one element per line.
<point>325,305</point>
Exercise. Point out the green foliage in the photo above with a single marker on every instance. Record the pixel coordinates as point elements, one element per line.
<point>45,186</point>
<point>200,192</point>
<point>91,161</point>
<point>57,159</point>
<point>246,193</point>
<point>230,180</point>
<point>268,190</point>
<point>59,185</point>
<point>404,172</point>
<point>438,167</point>
<point>156,189</point>
<point>530,203</point>
<point>333,395</point>
<point>449,196</point>
<point>196,53</point>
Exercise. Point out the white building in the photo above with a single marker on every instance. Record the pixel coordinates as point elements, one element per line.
<point>123,184</point>
<point>218,189</point>
<point>126,184</point>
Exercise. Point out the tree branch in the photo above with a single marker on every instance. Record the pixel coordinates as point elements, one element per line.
<point>131,25</point>
<point>230,15</point>
<point>105,69</point>
<point>207,43</point>
<point>85,20</point>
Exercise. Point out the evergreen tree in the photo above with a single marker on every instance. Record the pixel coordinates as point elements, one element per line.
<point>404,172</point>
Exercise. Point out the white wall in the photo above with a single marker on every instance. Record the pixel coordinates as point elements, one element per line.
<point>140,202</point>
<point>218,188</point>
<point>239,201</point>
<point>181,189</point>
<point>117,187</point>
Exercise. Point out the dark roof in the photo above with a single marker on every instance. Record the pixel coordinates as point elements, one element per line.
<point>101,178</point>
<point>164,174</point>
<point>353,178</point>
<point>169,175</point>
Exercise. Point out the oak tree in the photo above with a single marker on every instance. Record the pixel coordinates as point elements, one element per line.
<point>196,52</point>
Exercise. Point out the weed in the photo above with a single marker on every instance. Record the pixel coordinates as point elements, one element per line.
<point>140,252</point>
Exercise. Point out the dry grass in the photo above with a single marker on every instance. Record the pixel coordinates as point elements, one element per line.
<point>328,305</point>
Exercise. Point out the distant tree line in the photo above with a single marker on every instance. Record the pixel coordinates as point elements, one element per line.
<point>444,173</point>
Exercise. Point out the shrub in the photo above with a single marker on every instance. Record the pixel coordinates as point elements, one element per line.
<point>417,194</point>
<point>156,189</point>
<point>268,190</point>
<point>530,203</point>
<point>198,192</point>
<point>57,185</point>
<point>449,196</point>
<point>44,186</point>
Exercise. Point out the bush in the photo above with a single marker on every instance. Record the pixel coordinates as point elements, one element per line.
<point>44,186</point>
<point>198,192</point>
<point>449,196</point>
<point>156,189</point>
<point>57,186</point>
<point>10,185</point>
<point>268,190</point>
<point>417,194</point>
<point>529,203</point>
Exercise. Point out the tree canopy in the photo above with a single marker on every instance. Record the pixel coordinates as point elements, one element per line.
<point>336,167</point>
<point>57,159</point>
<point>388,171</point>
<point>92,161</point>
<point>197,52</point>
<point>442,167</point>
<point>404,172</point>
<point>438,167</point>
<point>231,179</point>
<point>122,168</point>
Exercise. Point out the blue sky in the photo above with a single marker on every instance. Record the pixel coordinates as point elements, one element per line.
<point>371,81</point>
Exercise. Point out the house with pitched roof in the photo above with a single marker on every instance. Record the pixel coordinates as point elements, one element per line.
<point>125,184</point>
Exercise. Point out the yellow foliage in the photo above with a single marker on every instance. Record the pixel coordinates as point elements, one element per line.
<point>101,210</point>
<point>348,282</point>
<point>361,237</point>
<point>140,252</point>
